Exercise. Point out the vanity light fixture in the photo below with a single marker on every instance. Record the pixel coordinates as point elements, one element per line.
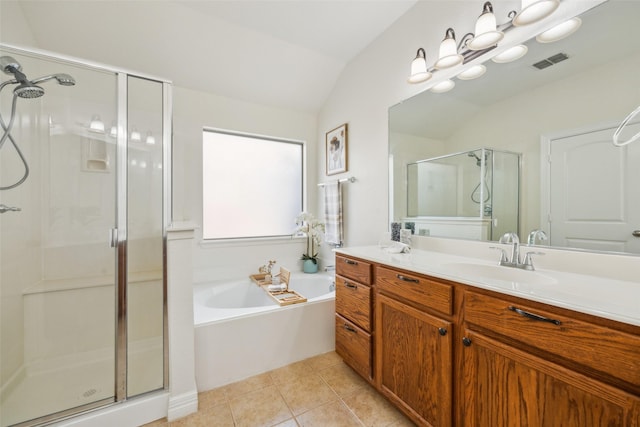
<point>534,11</point>
<point>443,86</point>
<point>486,33</point>
<point>449,56</point>
<point>472,72</point>
<point>135,135</point>
<point>419,72</point>
<point>560,31</point>
<point>511,54</point>
<point>96,124</point>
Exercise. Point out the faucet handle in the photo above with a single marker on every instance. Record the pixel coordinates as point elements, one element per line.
<point>503,254</point>
<point>527,264</point>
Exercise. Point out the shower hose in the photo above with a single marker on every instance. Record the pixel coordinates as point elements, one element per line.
<point>7,135</point>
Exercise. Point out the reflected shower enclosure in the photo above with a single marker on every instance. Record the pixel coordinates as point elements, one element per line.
<point>84,209</point>
<point>473,194</point>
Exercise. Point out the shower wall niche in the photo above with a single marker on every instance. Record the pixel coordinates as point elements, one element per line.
<point>472,195</point>
<point>82,263</point>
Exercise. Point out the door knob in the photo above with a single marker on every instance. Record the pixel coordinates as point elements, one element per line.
<point>636,233</point>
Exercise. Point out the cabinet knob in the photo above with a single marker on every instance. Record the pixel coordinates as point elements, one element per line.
<point>442,331</point>
<point>466,341</point>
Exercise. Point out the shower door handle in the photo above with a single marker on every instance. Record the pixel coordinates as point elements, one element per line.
<point>113,237</point>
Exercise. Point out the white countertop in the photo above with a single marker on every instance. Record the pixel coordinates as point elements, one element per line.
<point>599,296</point>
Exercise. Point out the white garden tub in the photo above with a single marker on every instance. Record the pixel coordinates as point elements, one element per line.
<point>240,331</point>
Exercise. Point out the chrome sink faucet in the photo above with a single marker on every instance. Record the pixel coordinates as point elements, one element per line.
<point>512,238</point>
<point>515,261</point>
<point>536,234</point>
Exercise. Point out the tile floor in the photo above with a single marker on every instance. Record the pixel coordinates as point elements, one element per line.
<point>318,392</point>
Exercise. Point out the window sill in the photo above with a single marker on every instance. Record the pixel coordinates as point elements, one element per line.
<point>251,241</point>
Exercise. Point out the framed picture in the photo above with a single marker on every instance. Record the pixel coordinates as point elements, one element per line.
<point>337,150</point>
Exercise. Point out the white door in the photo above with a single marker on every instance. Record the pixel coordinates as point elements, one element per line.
<point>594,192</point>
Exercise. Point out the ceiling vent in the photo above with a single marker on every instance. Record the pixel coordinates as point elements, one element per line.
<point>552,60</point>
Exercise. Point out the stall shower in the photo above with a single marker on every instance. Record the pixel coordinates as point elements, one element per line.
<point>84,205</point>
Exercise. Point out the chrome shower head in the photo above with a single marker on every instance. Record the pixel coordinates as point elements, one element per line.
<point>62,79</point>
<point>28,90</point>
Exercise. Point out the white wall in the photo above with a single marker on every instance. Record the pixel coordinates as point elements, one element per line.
<point>195,110</point>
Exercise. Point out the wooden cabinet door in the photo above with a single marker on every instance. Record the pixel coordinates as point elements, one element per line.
<point>504,386</point>
<point>414,361</point>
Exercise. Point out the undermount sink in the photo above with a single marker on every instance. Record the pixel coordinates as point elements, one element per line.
<point>497,272</point>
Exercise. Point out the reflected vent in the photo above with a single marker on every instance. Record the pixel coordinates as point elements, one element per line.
<point>552,60</point>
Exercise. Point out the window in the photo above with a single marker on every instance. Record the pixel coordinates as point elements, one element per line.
<point>252,185</point>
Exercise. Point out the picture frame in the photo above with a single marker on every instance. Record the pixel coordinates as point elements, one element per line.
<point>336,150</point>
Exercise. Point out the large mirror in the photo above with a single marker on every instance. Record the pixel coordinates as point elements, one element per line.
<point>560,116</point>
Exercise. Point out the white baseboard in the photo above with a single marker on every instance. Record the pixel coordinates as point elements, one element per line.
<point>182,405</point>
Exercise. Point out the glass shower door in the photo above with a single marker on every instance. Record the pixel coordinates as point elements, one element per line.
<point>57,264</point>
<point>145,234</point>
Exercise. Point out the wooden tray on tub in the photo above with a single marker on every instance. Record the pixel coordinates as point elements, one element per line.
<point>261,279</point>
<point>286,297</point>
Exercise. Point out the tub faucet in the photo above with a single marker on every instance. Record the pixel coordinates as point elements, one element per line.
<point>266,269</point>
<point>330,268</point>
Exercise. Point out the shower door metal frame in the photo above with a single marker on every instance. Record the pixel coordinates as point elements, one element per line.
<point>120,380</point>
<point>121,246</point>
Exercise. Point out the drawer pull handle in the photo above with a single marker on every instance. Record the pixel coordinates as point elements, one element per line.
<point>350,262</point>
<point>533,316</point>
<point>348,328</point>
<point>407,279</point>
<point>350,285</point>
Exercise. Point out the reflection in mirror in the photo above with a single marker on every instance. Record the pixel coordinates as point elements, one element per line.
<point>470,195</point>
<point>560,115</point>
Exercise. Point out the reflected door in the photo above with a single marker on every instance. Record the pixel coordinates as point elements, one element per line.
<point>593,193</point>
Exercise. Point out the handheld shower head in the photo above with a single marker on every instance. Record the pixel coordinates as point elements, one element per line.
<point>62,79</point>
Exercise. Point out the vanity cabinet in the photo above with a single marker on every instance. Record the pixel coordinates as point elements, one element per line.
<point>453,354</point>
<point>353,323</point>
<point>414,345</point>
<point>532,366</point>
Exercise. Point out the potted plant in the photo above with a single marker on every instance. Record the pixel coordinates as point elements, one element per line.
<point>313,229</point>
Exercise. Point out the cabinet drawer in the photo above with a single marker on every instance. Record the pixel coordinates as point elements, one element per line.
<point>597,347</point>
<point>353,269</point>
<point>353,301</point>
<point>422,290</point>
<point>354,346</point>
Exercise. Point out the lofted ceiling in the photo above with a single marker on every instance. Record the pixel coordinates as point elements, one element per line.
<point>286,54</point>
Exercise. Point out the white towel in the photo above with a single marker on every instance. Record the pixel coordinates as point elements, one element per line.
<point>333,213</point>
